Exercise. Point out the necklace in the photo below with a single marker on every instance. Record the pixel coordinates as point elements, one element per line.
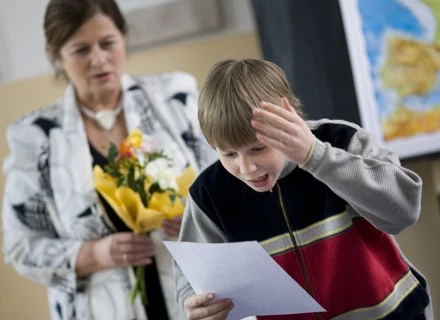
<point>106,119</point>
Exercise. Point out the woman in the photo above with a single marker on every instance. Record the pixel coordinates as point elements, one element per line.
<point>58,231</point>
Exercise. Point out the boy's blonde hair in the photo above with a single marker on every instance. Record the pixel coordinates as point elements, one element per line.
<point>232,89</point>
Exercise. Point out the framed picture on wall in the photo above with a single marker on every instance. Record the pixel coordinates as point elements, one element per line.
<point>394,48</point>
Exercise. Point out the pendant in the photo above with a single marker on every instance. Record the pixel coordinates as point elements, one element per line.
<point>106,119</point>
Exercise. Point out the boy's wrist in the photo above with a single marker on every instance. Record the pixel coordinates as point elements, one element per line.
<point>309,154</point>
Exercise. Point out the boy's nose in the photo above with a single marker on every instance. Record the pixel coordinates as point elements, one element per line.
<point>247,167</point>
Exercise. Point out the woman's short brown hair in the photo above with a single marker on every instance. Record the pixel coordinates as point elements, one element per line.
<point>232,89</point>
<point>64,17</point>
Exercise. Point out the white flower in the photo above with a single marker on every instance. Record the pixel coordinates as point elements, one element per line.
<point>148,144</point>
<point>161,172</point>
<point>140,156</point>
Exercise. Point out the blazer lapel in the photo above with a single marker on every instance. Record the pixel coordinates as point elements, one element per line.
<point>71,172</point>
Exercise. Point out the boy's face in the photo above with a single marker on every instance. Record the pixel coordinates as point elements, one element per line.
<point>256,164</point>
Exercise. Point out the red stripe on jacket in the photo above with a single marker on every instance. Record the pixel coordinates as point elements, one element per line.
<point>354,269</point>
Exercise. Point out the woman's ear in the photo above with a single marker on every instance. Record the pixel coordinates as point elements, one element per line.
<point>57,65</point>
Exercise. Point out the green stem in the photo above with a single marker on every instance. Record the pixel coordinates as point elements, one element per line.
<point>143,286</point>
<point>139,286</point>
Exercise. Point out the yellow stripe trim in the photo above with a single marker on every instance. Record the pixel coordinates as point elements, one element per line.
<point>302,231</point>
<point>404,295</point>
<point>328,234</point>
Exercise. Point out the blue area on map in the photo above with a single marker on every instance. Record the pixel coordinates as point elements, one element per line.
<point>379,18</point>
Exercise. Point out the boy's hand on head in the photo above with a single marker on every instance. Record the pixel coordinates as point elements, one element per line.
<point>203,306</point>
<point>280,127</point>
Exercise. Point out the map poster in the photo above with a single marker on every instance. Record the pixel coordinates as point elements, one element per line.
<point>394,48</point>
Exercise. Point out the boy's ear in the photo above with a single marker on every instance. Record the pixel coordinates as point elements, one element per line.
<point>285,104</point>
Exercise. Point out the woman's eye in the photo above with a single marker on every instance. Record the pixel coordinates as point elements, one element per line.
<point>107,44</point>
<point>82,50</point>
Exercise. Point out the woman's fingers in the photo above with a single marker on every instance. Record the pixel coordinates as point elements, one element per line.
<point>172,226</point>
<point>128,249</point>
<point>135,259</point>
<point>137,247</point>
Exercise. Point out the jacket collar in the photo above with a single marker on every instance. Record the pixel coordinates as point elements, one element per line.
<point>288,168</point>
<point>72,120</point>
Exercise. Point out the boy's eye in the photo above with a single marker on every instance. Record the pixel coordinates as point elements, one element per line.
<point>229,154</point>
<point>258,149</point>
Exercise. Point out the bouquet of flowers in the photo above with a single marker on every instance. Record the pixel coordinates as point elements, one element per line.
<point>142,186</point>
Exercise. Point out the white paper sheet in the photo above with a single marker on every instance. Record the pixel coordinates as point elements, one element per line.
<point>245,273</point>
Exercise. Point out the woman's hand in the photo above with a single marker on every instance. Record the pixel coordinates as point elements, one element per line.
<point>280,127</point>
<point>203,306</point>
<point>171,227</point>
<point>123,249</point>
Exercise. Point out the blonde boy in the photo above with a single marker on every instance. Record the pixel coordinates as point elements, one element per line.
<point>319,196</point>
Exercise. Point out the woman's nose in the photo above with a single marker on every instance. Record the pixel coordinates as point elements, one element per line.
<point>97,57</point>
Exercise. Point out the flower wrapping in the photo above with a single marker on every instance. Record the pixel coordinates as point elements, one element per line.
<point>143,188</point>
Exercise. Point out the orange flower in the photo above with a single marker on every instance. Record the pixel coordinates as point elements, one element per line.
<point>126,149</point>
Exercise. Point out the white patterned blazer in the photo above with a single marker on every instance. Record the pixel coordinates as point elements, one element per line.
<point>50,205</point>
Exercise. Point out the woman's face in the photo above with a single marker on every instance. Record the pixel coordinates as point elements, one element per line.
<point>94,57</point>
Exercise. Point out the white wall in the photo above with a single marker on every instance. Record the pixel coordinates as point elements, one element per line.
<point>22,52</point>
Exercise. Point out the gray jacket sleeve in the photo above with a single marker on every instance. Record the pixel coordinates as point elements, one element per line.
<point>196,227</point>
<point>370,179</point>
<point>31,243</point>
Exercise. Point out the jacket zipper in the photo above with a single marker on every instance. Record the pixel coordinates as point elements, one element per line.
<point>295,247</point>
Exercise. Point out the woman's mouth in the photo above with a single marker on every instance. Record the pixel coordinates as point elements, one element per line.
<point>102,76</point>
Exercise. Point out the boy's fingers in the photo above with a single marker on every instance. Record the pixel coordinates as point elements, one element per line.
<point>216,310</point>
<point>284,110</point>
<point>275,133</point>
<point>223,313</point>
<point>278,144</point>
<point>265,120</point>
<point>198,299</point>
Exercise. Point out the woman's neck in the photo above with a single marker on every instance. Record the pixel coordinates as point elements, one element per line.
<point>101,101</point>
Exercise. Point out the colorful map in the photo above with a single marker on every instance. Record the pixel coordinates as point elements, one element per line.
<point>402,39</point>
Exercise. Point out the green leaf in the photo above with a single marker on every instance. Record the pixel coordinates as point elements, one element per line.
<point>172,197</point>
<point>144,197</point>
<point>112,153</point>
<point>155,187</point>
<point>130,177</point>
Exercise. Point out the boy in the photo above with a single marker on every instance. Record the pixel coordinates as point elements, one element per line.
<point>319,196</point>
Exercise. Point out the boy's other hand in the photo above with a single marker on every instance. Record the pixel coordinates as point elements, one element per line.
<point>203,306</point>
<point>280,127</point>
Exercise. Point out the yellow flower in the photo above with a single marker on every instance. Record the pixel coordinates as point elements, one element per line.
<point>127,203</point>
<point>135,138</point>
